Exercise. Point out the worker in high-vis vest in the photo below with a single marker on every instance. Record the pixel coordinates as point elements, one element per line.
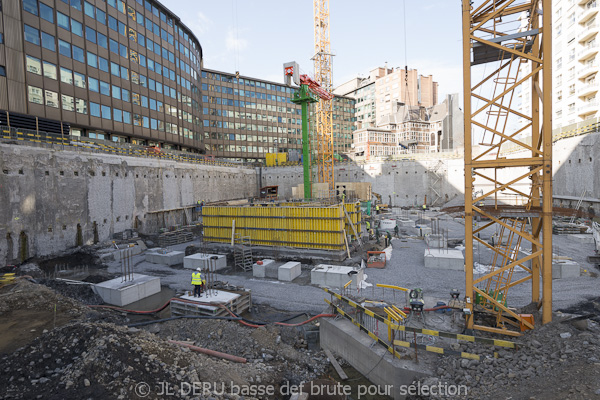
<point>197,282</point>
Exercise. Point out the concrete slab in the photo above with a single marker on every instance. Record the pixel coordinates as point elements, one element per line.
<point>133,250</point>
<point>582,238</point>
<point>445,259</point>
<point>562,269</point>
<point>289,271</point>
<point>374,361</point>
<point>216,297</point>
<point>436,241</point>
<point>335,276</point>
<point>266,270</point>
<point>168,258</point>
<point>200,260</point>
<point>405,222</point>
<point>119,293</point>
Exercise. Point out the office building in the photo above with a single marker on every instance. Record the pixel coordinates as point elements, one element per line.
<point>245,118</point>
<point>113,70</point>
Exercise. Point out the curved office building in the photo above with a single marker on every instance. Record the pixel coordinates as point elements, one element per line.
<point>105,69</point>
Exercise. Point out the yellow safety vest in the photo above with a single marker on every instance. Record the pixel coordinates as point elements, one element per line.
<point>196,278</point>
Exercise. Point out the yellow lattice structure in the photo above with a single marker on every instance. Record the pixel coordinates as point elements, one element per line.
<point>512,39</point>
<point>323,120</point>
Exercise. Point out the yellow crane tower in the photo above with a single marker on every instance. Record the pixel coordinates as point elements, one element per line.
<point>323,125</point>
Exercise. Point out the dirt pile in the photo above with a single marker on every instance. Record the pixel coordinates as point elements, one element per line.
<point>100,360</point>
<point>25,295</point>
<point>560,360</point>
<point>277,351</point>
<point>80,292</point>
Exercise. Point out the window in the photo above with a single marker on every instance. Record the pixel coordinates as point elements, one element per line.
<point>100,16</point>
<point>116,92</point>
<point>89,9</point>
<point>2,70</point>
<point>46,13</point>
<point>31,6</point>
<point>102,40</point>
<point>76,4</point>
<point>1,38</point>
<point>79,80</point>
<point>64,48</point>
<point>124,73</point>
<point>92,60</point>
<point>559,95</point>
<point>93,84</point>
<point>49,70</point>
<point>32,35</point>
<point>114,68</point>
<point>117,115</point>
<point>34,65</point>
<point>90,34</point>
<point>34,95</point>
<point>106,114</point>
<point>103,64</point>
<point>105,88</point>
<point>125,95</point>
<point>78,54</point>
<point>112,23</point>
<point>66,75</point>
<point>114,46</point>
<point>48,42</point>
<point>76,27</point>
<point>126,117</point>
<point>68,103</point>
<point>571,108</point>
<point>122,28</point>
<point>51,98</point>
<point>94,109</point>
<point>123,50</point>
<point>81,106</point>
<point>63,21</point>
<point>571,89</point>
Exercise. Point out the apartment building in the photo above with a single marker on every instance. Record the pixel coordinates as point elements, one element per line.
<point>575,63</point>
<point>379,93</point>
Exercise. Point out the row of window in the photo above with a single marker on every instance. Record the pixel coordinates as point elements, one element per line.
<point>244,93</point>
<point>251,127</point>
<point>51,99</point>
<point>76,28</point>
<point>247,82</point>
<point>49,70</point>
<point>251,116</point>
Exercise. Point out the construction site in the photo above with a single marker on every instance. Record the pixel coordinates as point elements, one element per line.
<point>129,273</point>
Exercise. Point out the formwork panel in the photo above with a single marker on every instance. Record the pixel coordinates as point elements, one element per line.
<point>274,225</point>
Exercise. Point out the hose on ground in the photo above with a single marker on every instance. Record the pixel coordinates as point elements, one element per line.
<point>136,324</point>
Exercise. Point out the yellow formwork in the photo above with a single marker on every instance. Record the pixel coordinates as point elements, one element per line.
<point>271,225</point>
<point>353,210</point>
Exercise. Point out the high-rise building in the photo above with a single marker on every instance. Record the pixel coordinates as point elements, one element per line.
<point>379,94</point>
<point>113,70</point>
<point>245,118</point>
<point>575,63</point>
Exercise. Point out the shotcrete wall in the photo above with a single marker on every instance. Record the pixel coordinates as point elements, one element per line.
<point>46,194</point>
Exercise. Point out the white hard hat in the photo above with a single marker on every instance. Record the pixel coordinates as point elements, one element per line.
<point>199,269</point>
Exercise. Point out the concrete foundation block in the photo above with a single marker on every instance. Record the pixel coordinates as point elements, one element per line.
<point>265,270</point>
<point>445,259</point>
<point>436,241</point>
<point>201,260</point>
<point>335,276</point>
<point>120,293</point>
<point>133,250</point>
<point>169,258</point>
<point>383,369</point>
<point>562,269</point>
<point>582,238</point>
<point>405,222</point>
<point>289,271</point>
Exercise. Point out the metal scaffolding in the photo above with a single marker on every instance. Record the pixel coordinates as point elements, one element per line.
<point>506,37</point>
<point>323,127</point>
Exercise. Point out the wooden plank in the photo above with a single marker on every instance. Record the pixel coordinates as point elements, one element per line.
<point>337,366</point>
<point>346,241</point>
<point>352,226</point>
<point>232,231</point>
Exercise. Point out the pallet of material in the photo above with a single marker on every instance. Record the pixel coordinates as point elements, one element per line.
<point>238,304</point>
<point>175,237</point>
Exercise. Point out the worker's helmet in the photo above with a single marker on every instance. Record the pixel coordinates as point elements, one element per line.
<point>199,269</point>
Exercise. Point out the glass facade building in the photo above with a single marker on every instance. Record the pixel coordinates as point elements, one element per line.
<point>113,70</point>
<point>245,118</point>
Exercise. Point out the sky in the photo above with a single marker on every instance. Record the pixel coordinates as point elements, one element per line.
<point>256,37</point>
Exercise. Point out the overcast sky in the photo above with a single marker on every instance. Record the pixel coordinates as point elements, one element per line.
<point>257,36</point>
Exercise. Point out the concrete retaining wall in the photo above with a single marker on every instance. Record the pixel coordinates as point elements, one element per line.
<point>46,194</point>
